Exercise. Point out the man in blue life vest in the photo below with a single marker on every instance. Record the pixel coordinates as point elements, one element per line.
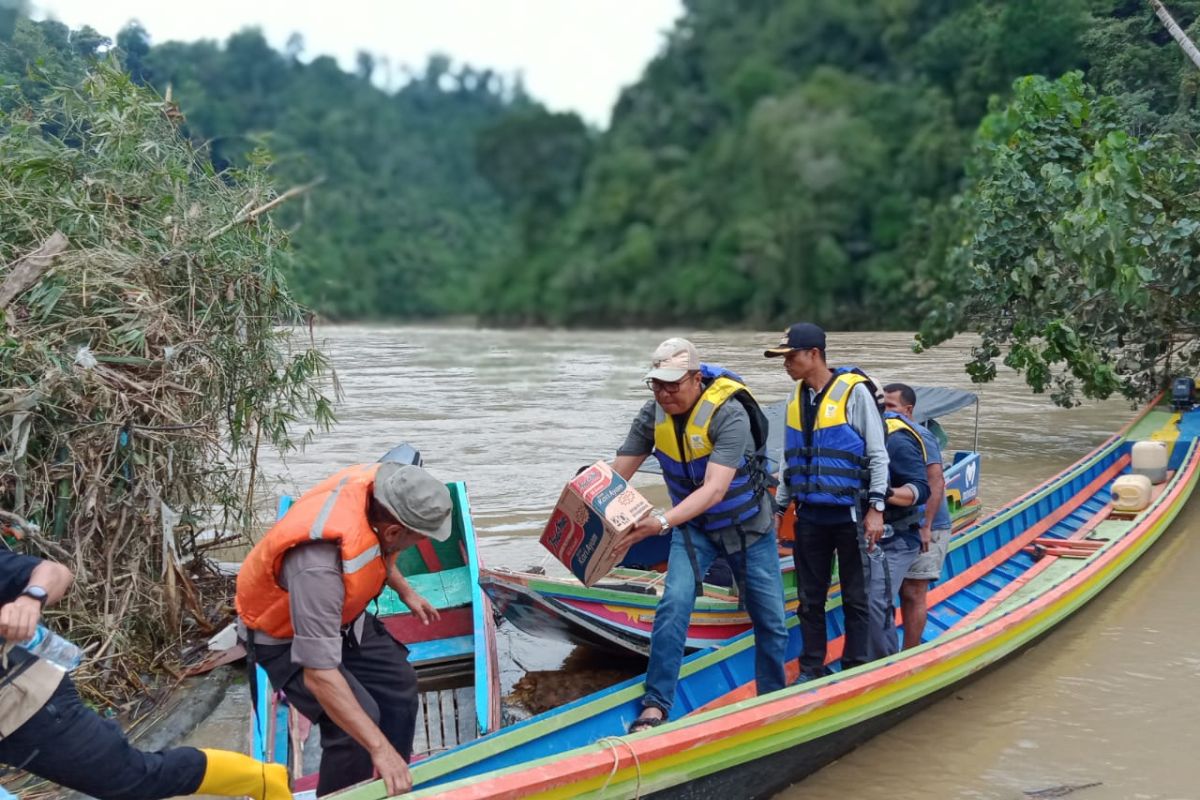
<point>891,559</point>
<point>46,729</point>
<point>709,435</point>
<point>935,523</point>
<point>835,468</point>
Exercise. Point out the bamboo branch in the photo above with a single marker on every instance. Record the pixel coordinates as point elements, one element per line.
<point>17,522</point>
<point>1176,32</point>
<point>25,271</point>
<point>247,216</point>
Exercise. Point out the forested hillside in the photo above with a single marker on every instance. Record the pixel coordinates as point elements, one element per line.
<point>777,159</point>
<point>797,158</point>
<point>401,223</point>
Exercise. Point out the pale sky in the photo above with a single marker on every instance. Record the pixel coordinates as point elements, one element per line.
<point>574,54</point>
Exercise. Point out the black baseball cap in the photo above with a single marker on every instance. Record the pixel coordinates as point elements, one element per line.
<point>801,336</point>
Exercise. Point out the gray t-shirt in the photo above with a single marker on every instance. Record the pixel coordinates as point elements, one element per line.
<point>933,455</point>
<point>312,575</point>
<point>732,441</point>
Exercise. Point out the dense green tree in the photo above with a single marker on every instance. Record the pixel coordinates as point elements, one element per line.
<point>133,45</point>
<point>776,159</point>
<point>402,222</point>
<point>784,158</point>
<point>1080,247</point>
<point>10,10</point>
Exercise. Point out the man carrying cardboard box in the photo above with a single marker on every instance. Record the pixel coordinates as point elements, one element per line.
<point>708,434</point>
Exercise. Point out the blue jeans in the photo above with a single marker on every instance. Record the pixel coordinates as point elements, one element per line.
<point>886,567</point>
<point>762,595</point>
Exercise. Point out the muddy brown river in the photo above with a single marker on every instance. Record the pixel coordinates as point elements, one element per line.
<point>1110,698</point>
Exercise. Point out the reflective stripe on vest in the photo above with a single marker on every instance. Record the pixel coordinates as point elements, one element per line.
<point>684,460</point>
<point>827,467</point>
<point>333,511</point>
<point>317,531</point>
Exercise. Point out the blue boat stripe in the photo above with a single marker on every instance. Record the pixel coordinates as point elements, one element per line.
<point>318,527</point>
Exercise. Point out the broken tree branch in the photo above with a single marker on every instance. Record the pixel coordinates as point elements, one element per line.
<point>25,271</point>
<point>1176,32</point>
<point>247,216</point>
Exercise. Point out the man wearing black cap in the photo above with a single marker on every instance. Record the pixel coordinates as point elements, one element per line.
<point>836,471</point>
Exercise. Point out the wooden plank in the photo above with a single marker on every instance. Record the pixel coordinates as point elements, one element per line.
<point>421,735</point>
<point>433,728</point>
<point>441,649</point>
<point>1014,586</point>
<point>1039,527</point>
<point>456,586</point>
<point>464,707</point>
<point>448,720</point>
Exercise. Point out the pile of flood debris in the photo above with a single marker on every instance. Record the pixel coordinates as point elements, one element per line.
<point>148,350</point>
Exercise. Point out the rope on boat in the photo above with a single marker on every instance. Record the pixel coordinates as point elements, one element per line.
<point>614,742</point>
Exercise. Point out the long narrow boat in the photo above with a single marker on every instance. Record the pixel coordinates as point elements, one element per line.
<point>618,613</point>
<point>455,657</point>
<point>1008,581</point>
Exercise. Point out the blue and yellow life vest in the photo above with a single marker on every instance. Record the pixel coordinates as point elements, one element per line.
<point>684,456</point>
<point>903,518</point>
<point>898,422</point>
<point>828,465</point>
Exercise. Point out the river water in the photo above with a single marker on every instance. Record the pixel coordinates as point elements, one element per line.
<point>1109,698</point>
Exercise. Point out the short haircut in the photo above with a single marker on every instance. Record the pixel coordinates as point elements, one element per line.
<point>907,395</point>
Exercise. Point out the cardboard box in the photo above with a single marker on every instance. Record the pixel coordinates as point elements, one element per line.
<point>595,508</point>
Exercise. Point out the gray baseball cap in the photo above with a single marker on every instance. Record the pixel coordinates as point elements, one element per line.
<point>672,360</point>
<point>416,499</point>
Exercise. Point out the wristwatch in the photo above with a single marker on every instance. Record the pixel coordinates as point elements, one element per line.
<point>662,521</point>
<point>878,505</point>
<point>37,593</point>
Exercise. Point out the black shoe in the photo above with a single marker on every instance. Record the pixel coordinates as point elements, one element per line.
<point>811,674</point>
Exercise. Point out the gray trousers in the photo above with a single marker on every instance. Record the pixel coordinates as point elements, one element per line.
<point>885,569</point>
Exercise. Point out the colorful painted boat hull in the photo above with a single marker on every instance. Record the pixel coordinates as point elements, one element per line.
<point>995,599</point>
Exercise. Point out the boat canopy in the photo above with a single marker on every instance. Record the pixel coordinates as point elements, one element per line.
<point>938,401</point>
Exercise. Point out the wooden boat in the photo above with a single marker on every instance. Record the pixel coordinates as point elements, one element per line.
<point>454,657</point>
<point>1007,582</point>
<point>618,613</point>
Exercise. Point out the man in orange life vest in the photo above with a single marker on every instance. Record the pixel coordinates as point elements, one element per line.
<point>302,595</point>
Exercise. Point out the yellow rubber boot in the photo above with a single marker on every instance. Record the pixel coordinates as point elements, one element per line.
<point>236,775</point>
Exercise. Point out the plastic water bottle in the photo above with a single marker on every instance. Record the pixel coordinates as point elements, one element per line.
<point>47,644</point>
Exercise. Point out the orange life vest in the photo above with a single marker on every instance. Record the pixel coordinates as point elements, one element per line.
<point>334,510</point>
